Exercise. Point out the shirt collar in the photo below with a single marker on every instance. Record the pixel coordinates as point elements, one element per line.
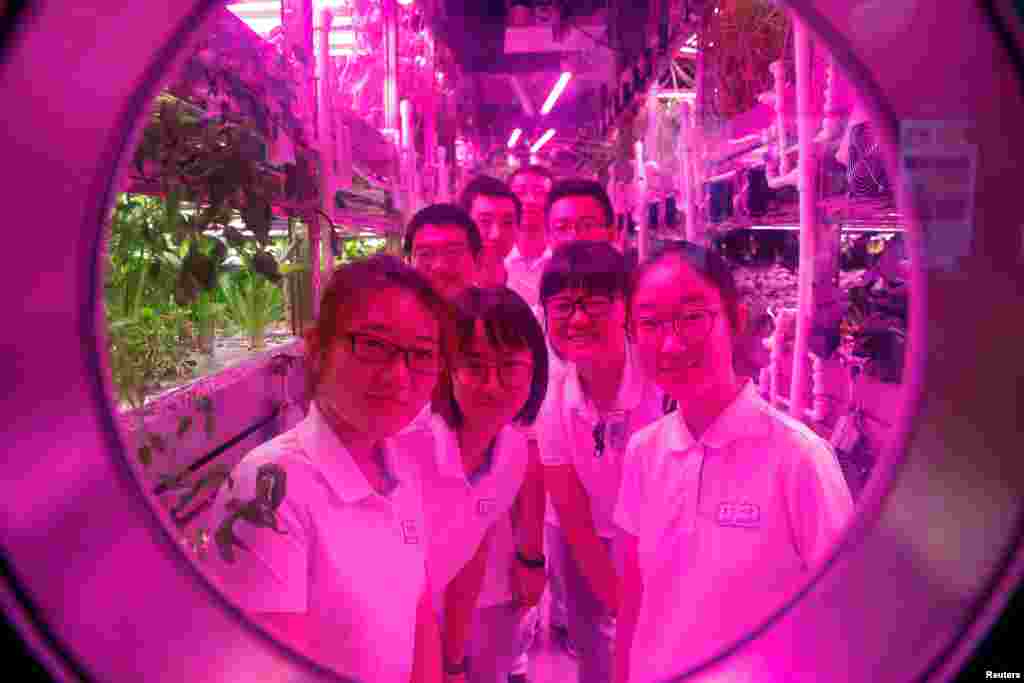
<point>515,257</point>
<point>334,461</point>
<point>735,421</point>
<point>449,455</point>
<point>631,389</point>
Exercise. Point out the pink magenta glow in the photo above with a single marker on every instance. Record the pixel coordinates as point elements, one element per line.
<point>514,138</point>
<point>556,92</point>
<point>543,140</point>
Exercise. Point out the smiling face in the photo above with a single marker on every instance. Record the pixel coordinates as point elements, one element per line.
<point>377,398</point>
<point>483,398</point>
<point>442,253</point>
<point>496,218</point>
<point>593,331</point>
<point>686,364</point>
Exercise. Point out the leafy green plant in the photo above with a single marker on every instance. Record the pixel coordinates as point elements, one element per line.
<point>253,303</point>
<point>145,350</point>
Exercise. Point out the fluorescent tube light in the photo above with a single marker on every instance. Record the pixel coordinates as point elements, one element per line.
<point>514,138</point>
<point>556,92</point>
<point>543,140</point>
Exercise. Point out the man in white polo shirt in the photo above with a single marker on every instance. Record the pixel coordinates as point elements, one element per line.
<point>589,413</point>
<point>525,263</point>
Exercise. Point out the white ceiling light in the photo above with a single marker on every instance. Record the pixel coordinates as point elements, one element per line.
<point>514,138</point>
<point>556,91</point>
<point>543,140</point>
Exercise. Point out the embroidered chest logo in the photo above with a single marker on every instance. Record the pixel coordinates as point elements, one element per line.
<point>409,533</point>
<point>745,515</point>
<point>485,507</point>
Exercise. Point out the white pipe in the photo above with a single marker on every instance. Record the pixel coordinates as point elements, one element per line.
<point>779,74</point>
<point>808,214</point>
<point>642,191</point>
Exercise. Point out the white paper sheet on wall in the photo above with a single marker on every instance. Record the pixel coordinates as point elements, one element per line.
<point>939,166</point>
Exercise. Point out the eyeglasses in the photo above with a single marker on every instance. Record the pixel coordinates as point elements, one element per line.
<point>449,254</point>
<point>584,226</point>
<point>594,307</point>
<point>530,190</point>
<point>486,221</point>
<point>370,349</point>
<point>690,326</point>
<point>511,375</point>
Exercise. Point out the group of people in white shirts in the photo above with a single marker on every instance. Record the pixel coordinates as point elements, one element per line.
<point>513,408</point>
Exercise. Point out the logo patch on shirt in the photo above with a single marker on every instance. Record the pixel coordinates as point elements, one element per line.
<point>409,532</point>
<point>745,515</point>
<point>485,506</point>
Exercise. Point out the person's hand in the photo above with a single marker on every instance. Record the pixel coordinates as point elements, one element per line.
<point>527,584</point>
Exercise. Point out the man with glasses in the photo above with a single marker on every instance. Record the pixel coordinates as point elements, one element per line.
<point>443,243</point>
<point>498,213</point>
<point>579,209</point>
<point>525,263</point>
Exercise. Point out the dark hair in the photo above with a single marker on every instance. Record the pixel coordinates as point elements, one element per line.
<point>488,186</point>
<point>443,214</point>
<point>509,322</point>
<point>363,278</point>
<point>532,169</point>
<point>582,187</point>
<point>593,266</point>
<point>708,264</point>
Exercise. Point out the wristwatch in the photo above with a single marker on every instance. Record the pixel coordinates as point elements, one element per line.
<point>532,563</point>
<point>455,669</point>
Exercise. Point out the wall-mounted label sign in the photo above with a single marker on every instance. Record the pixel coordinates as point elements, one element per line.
<point>939,166</point>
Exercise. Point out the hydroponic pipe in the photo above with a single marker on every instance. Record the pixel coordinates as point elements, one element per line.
<point>808,168</point>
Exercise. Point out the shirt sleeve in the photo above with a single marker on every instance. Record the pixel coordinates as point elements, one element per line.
<point>628,513</point>
<point>818,500</point>
<point>270,573</point>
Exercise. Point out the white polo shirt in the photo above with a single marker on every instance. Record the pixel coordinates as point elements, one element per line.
<point>524,274</point>
<point>728,526</point>
<point>350,557</point>
<point>459,509</point>
<point>565,429</point>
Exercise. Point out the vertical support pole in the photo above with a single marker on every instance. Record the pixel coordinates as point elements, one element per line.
<point>808,215</point>
<point>689,190</point>
<point>694,222</point>
<point>643,227</point>
<point>430,121</point>
<point>390,8</point>
<point>325,133</point>
<point>443,177</point>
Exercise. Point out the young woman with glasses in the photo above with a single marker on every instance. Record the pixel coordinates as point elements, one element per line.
<point>483,493</point>
<point>726,504</point>
<point>591,409</point>
<point>322,539</point>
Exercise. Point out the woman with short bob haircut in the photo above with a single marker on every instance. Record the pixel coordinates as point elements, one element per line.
<point>483,491</point>
<point>322,538</point>
<point>726,504</point>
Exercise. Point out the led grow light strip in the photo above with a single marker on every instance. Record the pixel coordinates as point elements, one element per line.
<point>543,140</point>
<point>514,138</point>
<point>556,92</point>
